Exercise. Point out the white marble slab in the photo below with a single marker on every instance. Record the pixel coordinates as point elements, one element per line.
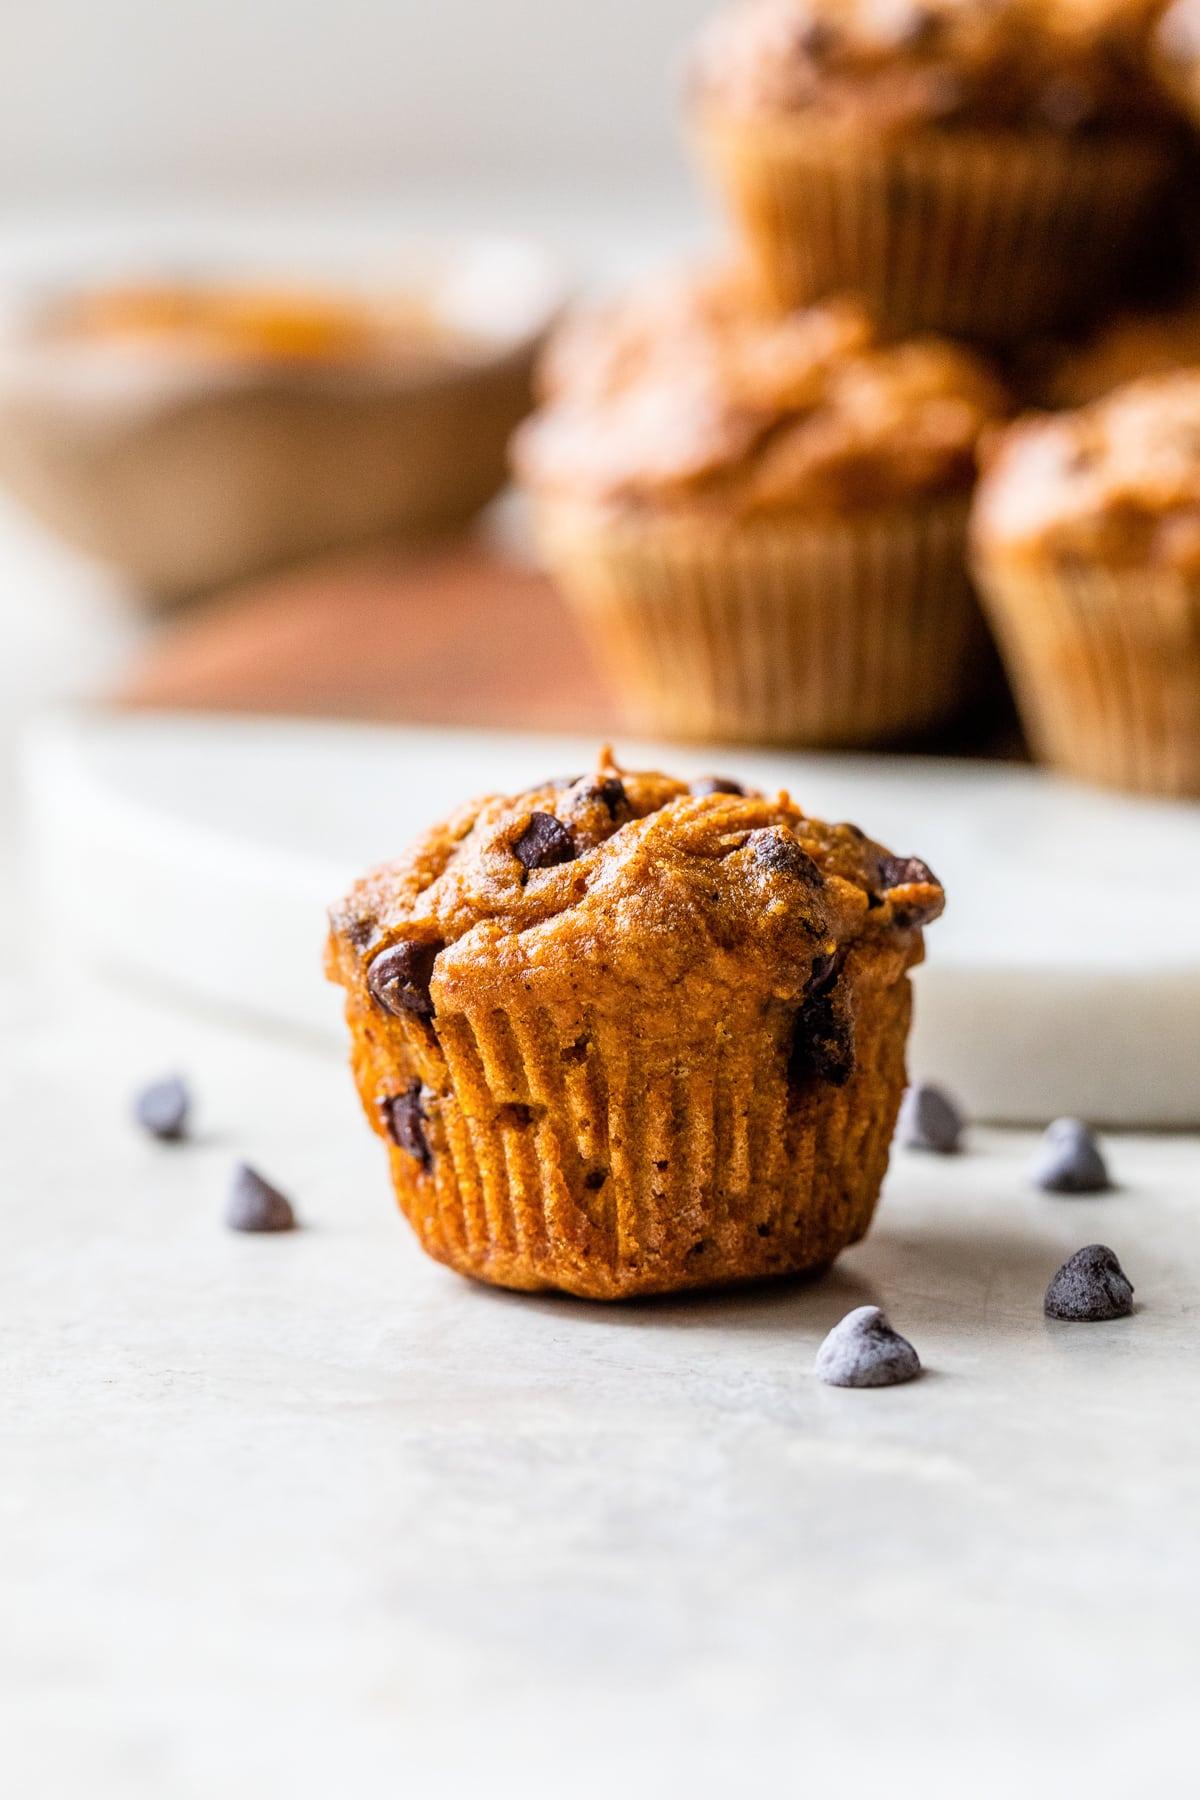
<point>1065,976</point>
<point>310,1516</point>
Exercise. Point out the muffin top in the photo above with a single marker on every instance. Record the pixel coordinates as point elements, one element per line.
<point>686,394</point>
<point>1117,482</point>
<point>651,880</point>
<point>1063,66</point>
<point>1128,349</point>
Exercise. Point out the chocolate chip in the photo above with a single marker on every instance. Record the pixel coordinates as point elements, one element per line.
<point>905,871</point>
<point>714,784</point>
<point>254,1205</point>
<point>825,971</point>
<point>406,1119</point>
<point>930,1119</point>
<point>777,850</point>
<point>609,793</point>
<point>822,1042</point>
<point>399,978</point>
<point>1070,1160</point>
<point>1091,1285</point>
<point>360,931</point>
<point>162,1109</point>
<point>864,1350</point>
<point>544,842</point>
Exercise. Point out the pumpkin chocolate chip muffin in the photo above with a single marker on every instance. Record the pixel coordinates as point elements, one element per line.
<point>1087,546</point>
<point>947,159</point>
<point>761,519</point>
<point>626,1036</point>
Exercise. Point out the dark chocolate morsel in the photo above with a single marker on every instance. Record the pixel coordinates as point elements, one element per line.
<point>254,1205</point>
<point>865,1350</point>
<point>714,784</point>
<point>777,850</point>
<point>822,1042</point>
<point>610,792</point>
<point>162,1109</point>
<point>930,1119</point>
<point>544,842</point>
<point>905,871</point>
<point>825,971</point>
<point>1070,1160</point>
<point>1091,1285</point>
<point>406,1119</point>
<point>399,978</point>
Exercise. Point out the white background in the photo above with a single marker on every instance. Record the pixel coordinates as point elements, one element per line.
<point>111,101</point>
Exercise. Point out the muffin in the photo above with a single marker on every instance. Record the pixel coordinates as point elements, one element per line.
<point>761,519</point>
<point>1129,348</point>
<point>949,160</point>
<point>1086,541</point>
<point>625,1036</point>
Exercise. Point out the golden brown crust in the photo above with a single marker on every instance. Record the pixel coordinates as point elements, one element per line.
<point>687,395</point>
<point>624,1037</point>
<point>1059,66</point>
<point>1115,484</point>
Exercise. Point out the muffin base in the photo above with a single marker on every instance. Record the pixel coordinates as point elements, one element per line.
<point>1106,668</point>
<point>823,632</point>
<point>987,235</point>
<point>573,1152</point>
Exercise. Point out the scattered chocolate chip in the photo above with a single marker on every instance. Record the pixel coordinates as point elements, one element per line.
<point>1070,1160</point>
<point>405,1117</point>
<point>544,842</point>
<point>399,978</point>
<point>930,1119</point>
<point>714,784</point>
<point>1091,1285</point>
<point>162,1109</point>
<point>254,1205</point>
<point>775,849</point>
<point>595,1179</point>
<point>515,1112</point>
<point>863,1350</point>
<point>359,931</point>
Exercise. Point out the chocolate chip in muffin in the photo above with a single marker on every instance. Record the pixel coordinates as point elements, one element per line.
<point>905,871</point>
<point>544,843</point>
<point>399,977</point>
<point>610,793</point>
<point>1070,1160</point>
<point>162,1109</point>
<point>865,1350</point>
<point>775,849</point>
<point>1090,1286</point>
<point>406,1118</point>
<point>254,1205</point>
<point>714,784</point>
<point>930,1119</point>
<point>822,1045</point>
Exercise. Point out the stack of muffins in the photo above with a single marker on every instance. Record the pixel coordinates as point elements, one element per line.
<point>755,483</point>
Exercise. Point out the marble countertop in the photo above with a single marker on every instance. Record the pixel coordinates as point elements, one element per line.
<point>309,1515</point>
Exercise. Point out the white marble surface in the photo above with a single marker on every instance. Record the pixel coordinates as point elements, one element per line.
<point>312,1515</point>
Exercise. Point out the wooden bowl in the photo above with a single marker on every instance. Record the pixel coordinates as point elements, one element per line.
<point>190,457</point>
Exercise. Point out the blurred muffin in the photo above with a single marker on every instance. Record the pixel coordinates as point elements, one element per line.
<point>947,159</point>
<point>1086,539</point>
<point>1178,50</point>
<point>624,1036</point>
<point>761,519</point>
<point>1131,347</point>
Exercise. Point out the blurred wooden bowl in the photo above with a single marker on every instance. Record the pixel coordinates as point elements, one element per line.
<point>188,462</point>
